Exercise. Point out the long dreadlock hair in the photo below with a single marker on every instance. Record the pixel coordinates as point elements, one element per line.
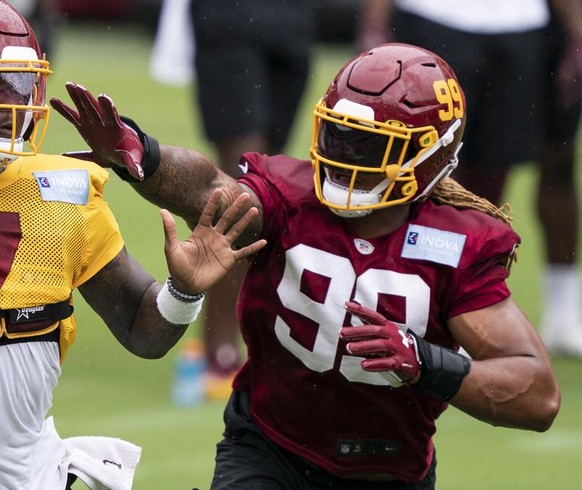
<point>449,191</point>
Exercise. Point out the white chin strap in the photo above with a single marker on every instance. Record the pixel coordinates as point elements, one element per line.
<point>338,194</point>
<point>6,146</point>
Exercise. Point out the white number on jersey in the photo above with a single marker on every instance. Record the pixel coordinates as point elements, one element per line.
<point>330,315</point>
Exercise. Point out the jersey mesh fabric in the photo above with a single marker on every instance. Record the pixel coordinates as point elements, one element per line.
<point>61,245</point>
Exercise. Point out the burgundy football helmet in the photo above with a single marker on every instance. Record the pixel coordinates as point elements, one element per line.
<point>23,72</point>
<point>396,111</point>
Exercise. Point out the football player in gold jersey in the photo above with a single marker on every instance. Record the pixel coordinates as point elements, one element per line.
<point>57,234</point>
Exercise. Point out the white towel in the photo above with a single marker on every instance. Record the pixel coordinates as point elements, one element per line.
<point>103,463</point>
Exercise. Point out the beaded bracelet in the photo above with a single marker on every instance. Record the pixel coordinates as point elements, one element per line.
<point>179,295</point>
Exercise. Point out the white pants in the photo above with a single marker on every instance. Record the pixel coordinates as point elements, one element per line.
<point>29,372</point>
<point>32,454</point>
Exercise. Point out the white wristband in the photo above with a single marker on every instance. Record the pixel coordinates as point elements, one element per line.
<point>176,311</point>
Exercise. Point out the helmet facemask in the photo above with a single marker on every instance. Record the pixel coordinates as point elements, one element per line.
<point>348,139</point>
<point>23,110</point>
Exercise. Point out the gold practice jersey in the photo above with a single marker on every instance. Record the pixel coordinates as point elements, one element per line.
<point>56,232</point>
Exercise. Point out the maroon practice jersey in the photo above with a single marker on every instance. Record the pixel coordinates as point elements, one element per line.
<point>307,394</point>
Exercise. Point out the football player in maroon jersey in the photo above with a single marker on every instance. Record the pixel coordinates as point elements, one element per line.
<point>378,269</point>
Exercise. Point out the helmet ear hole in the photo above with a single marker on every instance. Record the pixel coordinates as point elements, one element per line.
<point>428,139</point>
<point>409,189</point>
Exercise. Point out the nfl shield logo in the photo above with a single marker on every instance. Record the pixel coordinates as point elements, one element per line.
<point>364,247</point>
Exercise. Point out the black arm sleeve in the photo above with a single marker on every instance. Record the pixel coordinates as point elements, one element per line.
<point>441,370</point>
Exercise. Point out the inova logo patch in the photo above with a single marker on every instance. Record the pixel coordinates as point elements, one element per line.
<point>70,186</point>
<point>442,247</point>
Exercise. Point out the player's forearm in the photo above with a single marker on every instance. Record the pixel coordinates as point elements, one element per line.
<point>515,392</point>
<point>124,295</point>
<point>151,336</point>
<point>182,182</point>
<point>137,323</point>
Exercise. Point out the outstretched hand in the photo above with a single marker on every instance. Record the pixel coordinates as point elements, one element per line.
<point>112,142</point>
<point>198,262</point>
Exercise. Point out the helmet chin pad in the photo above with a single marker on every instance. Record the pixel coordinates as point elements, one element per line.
<point>354,204</point>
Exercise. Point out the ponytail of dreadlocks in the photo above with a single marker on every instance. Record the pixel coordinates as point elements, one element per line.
<point>449,191</point>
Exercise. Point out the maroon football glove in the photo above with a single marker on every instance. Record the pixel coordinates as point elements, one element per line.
<point>387,349</point>
<point>113,143</point>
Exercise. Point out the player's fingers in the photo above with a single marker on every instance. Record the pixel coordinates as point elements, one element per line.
<point>241,225</point>
<point>109,111</point>
<point>210,208</point>
<point>132,166</point>
<point>86,104</point>
<point>249,250</point>
<point>381,364</point>
<point>169,223</point>
<point>231,216</point>
<point>367,315</point>
<point>372,347</point>
<point>361,332</point>
<point>64,110</point>
<point>88,156</point>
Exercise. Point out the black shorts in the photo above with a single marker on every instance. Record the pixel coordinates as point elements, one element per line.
<point>560,122</point>
<point>502,76</point>
<point>246,459</point>
<point>252,62</point>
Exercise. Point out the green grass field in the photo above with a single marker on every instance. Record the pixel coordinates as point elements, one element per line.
<point>106,391</point>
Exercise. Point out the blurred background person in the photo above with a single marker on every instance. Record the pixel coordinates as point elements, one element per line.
<point>252,61</point>
<point>557,193</point>
<point>520,64</point>
<point>173,52</point>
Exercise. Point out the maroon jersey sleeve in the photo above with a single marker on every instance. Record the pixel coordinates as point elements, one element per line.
<point>275,181</point>
<point>479,279</point>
